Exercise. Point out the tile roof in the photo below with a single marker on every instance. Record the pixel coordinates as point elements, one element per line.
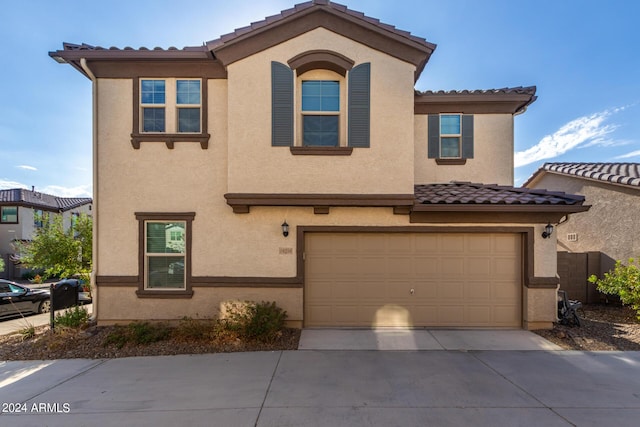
<point>36,199</point>
<point>627,174</point>
<point>465,193</point>
<point>314,4</point>
<point>520,90</point>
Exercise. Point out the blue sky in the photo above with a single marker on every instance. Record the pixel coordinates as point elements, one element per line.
<point>581,54</point>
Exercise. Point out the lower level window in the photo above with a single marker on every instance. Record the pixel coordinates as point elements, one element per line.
<point>165,254</point>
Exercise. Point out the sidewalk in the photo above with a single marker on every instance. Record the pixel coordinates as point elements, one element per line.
<point>328,388</point>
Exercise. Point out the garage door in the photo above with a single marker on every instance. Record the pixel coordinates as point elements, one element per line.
<point>413,280</point>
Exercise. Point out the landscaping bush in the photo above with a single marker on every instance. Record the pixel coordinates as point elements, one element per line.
<point>76,317</point>
<point>623,281</point>
<point>137,333</point>
<point>261,321</point>
<point>190,329</point>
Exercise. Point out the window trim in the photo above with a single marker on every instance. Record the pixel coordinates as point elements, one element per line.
<point>143,218</point>
<point>17,214</point>
<point>170,138</point>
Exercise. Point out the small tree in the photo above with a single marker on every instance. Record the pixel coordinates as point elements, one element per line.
<point>623,281</point>
<point>1,264</point>
<point>60,252</point>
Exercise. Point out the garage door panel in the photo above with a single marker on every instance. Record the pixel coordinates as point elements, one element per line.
<point>451,244</point>
<point>452,267</point>
<point>425,266</point>
<point>478,291</point>
<point>479,267</point>
<point>458,280</point>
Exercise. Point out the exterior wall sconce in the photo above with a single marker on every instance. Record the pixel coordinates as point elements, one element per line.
<point>285,229</point>
<point>548,230</point>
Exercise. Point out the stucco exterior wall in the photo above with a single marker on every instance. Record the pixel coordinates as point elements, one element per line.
<point>257,167</point>
<point>207,303</point>
<point>611,226</point>
<point>493,153</point>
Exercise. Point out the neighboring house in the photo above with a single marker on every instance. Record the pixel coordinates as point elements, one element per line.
<point>611,229</point>
<point>22,212</point>
<point>296,162</point>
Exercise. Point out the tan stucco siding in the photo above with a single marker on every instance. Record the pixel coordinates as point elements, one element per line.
<point>611,226</point>
<point>207,303</point>
<point>257,167</point>
<point>493,153</point>
<point>153,178</point>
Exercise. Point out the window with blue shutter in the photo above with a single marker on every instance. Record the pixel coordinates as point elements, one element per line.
<point>359,105</point>
<point>281,105</point>
<point>450,136</point>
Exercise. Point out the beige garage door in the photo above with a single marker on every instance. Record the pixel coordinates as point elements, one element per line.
<point>413,279</point>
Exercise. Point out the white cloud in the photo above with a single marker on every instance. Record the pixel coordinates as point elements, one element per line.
<point>583,131</point>
<point>54,190</point>
<point>27,167</point>
<point>79,191</point>
<point>629,155</point>
<point>5,185</point>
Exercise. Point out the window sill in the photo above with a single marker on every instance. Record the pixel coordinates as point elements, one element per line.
<point>321,151</point>
<point>170,139</point>
<point>451,161</point>
<point>148,293</point>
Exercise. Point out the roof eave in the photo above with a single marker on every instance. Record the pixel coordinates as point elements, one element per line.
<point>473,207</point>
<point>232,47</point>
<point>473,103</point>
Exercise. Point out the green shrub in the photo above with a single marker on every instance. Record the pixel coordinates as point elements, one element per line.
<point>190,329</point>
<point>137,333</point>
<point>75,317</point>
<point>623,281</point>
<point>27,332</point>
<point>117,337</point>
<point>147,333</point>
<point>262,321</point>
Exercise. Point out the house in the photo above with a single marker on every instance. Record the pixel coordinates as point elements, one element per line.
<point>300,165</point>
<point>21,213</point>
<point>590,243</point>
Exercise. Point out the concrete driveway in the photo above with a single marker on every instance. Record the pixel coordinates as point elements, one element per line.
<point>328,388</point>
<point>422,339</point>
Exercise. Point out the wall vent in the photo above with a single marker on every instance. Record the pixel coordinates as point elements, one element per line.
<point>572,237</point>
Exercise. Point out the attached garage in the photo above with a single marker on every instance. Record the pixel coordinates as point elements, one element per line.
<point>406,279</point>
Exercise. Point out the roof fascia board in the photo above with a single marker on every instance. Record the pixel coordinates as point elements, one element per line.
<point>472,103</point>
<point>369,34</point>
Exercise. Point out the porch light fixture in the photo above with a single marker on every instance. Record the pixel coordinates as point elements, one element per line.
<point>548,230</point>
<point>285,229</point>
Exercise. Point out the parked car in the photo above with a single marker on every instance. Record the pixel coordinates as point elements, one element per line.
<point>16,299</point>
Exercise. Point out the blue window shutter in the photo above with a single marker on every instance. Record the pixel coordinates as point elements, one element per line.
<point>467,137</point>
<point>359,105</point>
<point>433,151</point>
<point>281,105</point>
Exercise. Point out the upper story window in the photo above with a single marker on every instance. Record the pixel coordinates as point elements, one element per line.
<point>9,214</point>
<point>450,138</point>
<point>320,113</point>
<point>321,100</point>
<point>152,101</point>
<point>181,114</point>
<point>169,110</point>
<point>188,105</point>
